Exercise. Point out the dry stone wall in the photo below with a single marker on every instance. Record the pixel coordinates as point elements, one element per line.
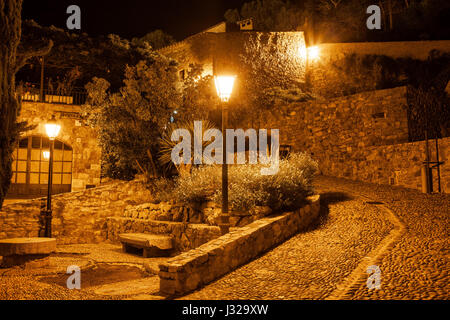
<point>195,268</point>
<point>400,164</point>
<point>360,137</point>
<point>186,235</point>
<point>78,217</point>
<point>328,81</point>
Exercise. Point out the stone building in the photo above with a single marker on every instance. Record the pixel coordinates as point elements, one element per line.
<point>76,157</point>
<point>224,49</point>
<point>362,136</point>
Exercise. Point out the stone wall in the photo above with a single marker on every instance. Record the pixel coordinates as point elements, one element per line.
<point>333,129</point>
<point>186,236</point>
<point>327,81</point>
<point>281,54</point>
<point>398,164</point>
<point>195,268</point>
<point>206,213</point>
<point>101,214</point>
<point>78,217</point>
<point>361,137</point>
<point>83,139</point>
<point>394,49</point>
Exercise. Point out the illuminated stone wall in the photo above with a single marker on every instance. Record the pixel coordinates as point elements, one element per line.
<point>78,217</point>
<point>83,139</point>
<point>361,137</point>
<point>326,81</point>
<point>280,53</point>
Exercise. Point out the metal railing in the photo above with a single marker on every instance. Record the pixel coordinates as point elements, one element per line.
<point>32,92</point>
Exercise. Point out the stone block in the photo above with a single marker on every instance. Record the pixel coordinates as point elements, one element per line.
<point>27,246</point>
<point>167,286</point>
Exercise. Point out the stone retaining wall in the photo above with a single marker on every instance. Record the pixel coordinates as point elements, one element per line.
<point>344,124</point>
<point>206,213</point>
<point>361,137</point>
<point>327,81</point>
<point>190,270</point>
<point>186,236</point>
<point>398,164</point>
<point>78,217</point>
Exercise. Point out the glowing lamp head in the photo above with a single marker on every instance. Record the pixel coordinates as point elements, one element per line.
<point>46,154</point>
<point>52,128</point>
<point>224,86</point>
<point>313,53</point>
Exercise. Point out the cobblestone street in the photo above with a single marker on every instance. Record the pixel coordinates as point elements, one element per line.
<point>358,229</point>
<point>402,231</point>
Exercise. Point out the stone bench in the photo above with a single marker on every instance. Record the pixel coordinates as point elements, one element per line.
<point>153,245</point>
<point>31,252</point>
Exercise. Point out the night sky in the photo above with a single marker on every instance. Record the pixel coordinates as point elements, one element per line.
<point>133,18</point>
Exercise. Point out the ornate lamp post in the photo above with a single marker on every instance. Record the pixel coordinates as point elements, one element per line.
<point>224,86</point>
<point>52,128</point>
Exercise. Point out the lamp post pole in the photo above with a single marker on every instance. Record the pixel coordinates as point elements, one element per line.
<point>48,217</point>
<point>225,218</point>
<point>41,89</point>
<point>224,86</point>
<point>52,128</point>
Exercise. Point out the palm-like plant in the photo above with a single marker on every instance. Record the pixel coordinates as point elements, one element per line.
<point>166,144</point>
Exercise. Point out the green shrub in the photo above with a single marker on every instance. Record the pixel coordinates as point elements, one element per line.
<point>199,186</point>
<point>162,189</point>
<point>285,190</point>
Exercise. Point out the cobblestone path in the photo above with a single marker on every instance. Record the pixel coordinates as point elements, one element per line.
<point>402,231</point>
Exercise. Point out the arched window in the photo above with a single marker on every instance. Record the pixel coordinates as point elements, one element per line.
<point>30,168</point>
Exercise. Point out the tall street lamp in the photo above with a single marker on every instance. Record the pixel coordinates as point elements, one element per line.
<point>224,86</point>
<point>52,128</point>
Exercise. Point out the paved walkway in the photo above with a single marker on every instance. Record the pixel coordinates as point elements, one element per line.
<point>402,231</point>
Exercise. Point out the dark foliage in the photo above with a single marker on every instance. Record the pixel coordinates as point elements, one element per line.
<point>12,58</point>
<point>345,20</point>
<point>103,57</point>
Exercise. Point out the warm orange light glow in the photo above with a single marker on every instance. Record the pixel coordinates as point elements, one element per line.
<point>302,52</point>
<point>224,86</point>
<point>52,128</point>
<point>46,154</point>
<point>313,53</point>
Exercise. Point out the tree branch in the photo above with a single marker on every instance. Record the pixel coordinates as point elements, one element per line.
<point>23,57</point>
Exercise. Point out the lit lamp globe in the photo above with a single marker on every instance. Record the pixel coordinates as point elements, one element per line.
<point>224,86</point>
<point>313,53</point>
<point>52,128</point>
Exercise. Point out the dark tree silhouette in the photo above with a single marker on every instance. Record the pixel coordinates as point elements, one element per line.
<point>11,60</point>
<point>157,39</point>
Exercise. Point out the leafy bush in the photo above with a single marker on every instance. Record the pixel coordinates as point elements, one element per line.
<point>129,123</point>
<point>161,189</point>
<point>199,186</point>
<point>285,190</point>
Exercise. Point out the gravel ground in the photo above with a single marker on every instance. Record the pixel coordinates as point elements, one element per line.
<point>32,284</point>
<point>313,264</point>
